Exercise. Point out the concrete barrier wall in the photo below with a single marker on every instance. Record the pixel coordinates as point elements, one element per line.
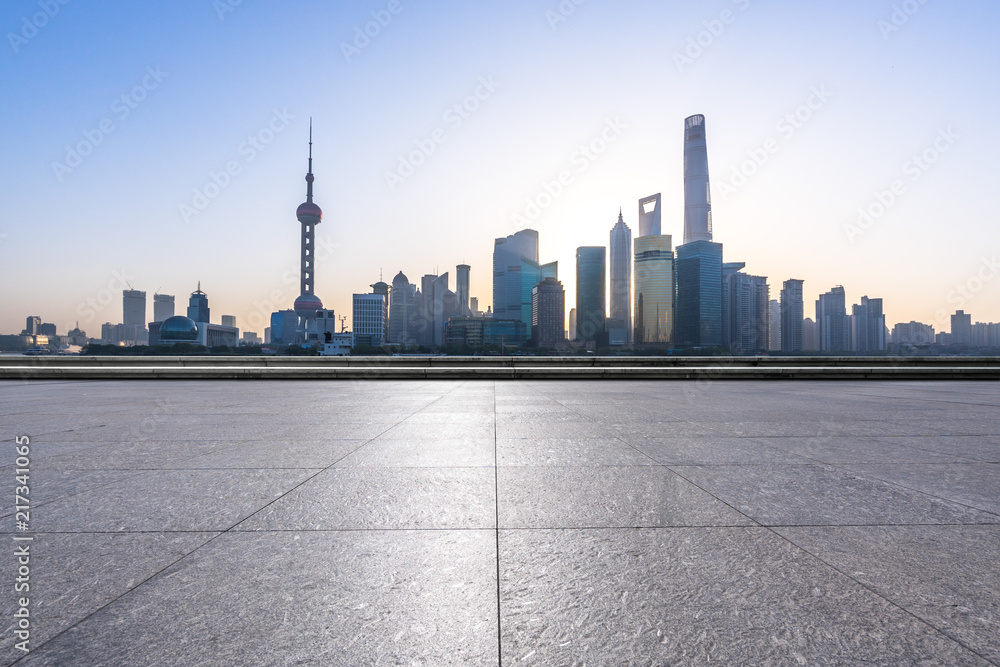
<point>520,367</point>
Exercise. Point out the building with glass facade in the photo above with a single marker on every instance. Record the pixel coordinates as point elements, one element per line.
<point>832,323</point>
<point>591,286</point>
<point>620,297</point>
<point>548,313</point>
<point>654,290</point>
<point>698,314</point>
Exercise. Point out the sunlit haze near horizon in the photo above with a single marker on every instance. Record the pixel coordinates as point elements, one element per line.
<point>117,117</point>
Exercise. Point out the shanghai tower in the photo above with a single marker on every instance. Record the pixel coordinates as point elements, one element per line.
<point>697,200</point>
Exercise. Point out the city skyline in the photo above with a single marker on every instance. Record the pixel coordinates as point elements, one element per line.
<point>793,157</point>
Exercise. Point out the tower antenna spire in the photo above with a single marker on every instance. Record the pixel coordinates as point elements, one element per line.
<point>309,174</point>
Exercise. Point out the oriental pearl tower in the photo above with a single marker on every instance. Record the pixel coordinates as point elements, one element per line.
<point>310,215</point>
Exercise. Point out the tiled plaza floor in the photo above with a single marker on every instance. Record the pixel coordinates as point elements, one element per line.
<point>481,522</point>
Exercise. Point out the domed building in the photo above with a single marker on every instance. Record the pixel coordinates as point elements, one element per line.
<point>178,329</point>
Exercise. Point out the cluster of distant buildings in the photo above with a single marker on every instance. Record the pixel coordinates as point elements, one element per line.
<point>639,292</point>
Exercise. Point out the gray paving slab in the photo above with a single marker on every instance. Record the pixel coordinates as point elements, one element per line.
<point>973,484</point>
<point>631,496</point>
<point>944,575</point>
<point>638,522</point>
<point>728,596</point>
<point>378,598</point>
<point>824,495</point>
<point>385,498</point>
<point>74,575</point>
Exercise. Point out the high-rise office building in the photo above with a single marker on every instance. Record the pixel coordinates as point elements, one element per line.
<point>515,272</point>
<point>309,215</point>
<point>774,328</point>
<point>474,305</point>
<point>163,307</point>
<point>198,306</point>
<point>550,270</point>
<point>572,324</point>
<point>369,313</point>
<point>961,328</point>
<point>792,316</point>
<point>868,327</point>
<point>654,290</point>
<point>32,325</point>
<point>649,216</point>
<point>134,308</point>
<point>591,285</point>
<point>745,310</point>
<point>697,196</point>
<point>832,323</point>
<point>621,274</point>
<point>548,313</point>
<point>228,320</point>
<point>462,288</point>
<point>401,311</point>
<point>698,315</point>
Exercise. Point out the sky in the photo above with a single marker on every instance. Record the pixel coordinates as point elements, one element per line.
<point>850,142</point>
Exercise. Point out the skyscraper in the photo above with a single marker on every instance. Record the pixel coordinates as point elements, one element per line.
<point>961,328</point>
<point>649,216</point>
<point>462,288</point>
<point>698,320</point>
<point>309,215</point>
<point>134,308</point>
<point>198,306</point>
<point>832,322</point>
<point>654,290</point>
<point>515,272</point>
<point>621,274</point>
<point>745,310</point>
<point>548,313</point>
<point>868,327</point>
<point>792,315</point>
<point>591,283</point>
<point>163,307</point>
<point>401,310</point>
<point>369,313</point>
<point>697,197</point>
<point>774,327</point>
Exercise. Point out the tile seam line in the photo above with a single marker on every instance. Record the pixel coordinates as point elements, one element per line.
<point>215,537</point>
<point>496,526</point>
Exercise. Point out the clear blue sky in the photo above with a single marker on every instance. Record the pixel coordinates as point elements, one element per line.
<point>199,77</point>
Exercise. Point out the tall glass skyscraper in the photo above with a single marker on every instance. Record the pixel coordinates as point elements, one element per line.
<point>511,282</point>
<point>621,275</point>
<point>591,271</point>
<point>134,308</point>
<point>699,294</point>
<point>697,196</point>
<point>654,290</point>
<point>649,215</point>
